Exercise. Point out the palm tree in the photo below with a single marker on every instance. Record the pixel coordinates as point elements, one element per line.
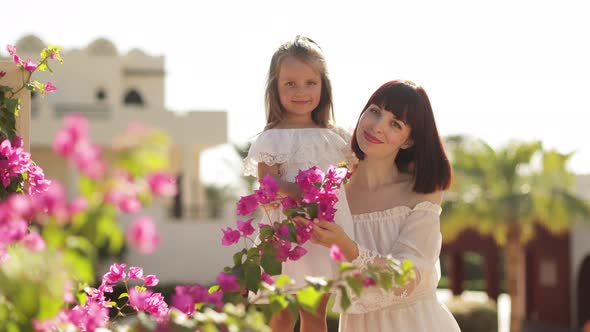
<point>505,192</point>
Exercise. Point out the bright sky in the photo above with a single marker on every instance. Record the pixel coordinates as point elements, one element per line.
<point>499,70</point>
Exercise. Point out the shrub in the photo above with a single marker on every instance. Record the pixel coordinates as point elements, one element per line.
<point>474,316</point>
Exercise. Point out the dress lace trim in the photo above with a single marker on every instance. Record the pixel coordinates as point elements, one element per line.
<point>364,258</point>
<point>398,210</point>
<point>299,147</point>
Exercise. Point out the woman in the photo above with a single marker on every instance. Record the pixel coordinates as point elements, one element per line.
<point>394,196</point>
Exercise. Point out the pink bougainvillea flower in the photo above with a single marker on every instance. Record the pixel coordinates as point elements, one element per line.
<point>76,206</point>
<point>267,278</point>
<point>2,73</point>
<point>136,273</point>
<point>88,158</point>
<point>151,280</point>
<point>268,190</point>
<point>247,205</point>
<point>283,231</point>
<point>184,303</point>
<point>304,233</point>
<point>308,178</point>
<point>68,294</point>
<point>162,184</point>
<point>148,301</point>
<point>246,227</point>
<point>11,49</point>
<point>230,236</point>
<point>74,130</point>
<point>116,273</point>
<point>129,204</point>
<point>288,202</point>
<point>336,254</point>
<point>368,281</point>
<point>30,65</point>
<point>297,253</point>
<point>227,282</point>
<point>37,181</point>
<point>16,59</point>
<point>34,241</point>
<point>283,249</point>
<point>49,87</point>
<point>142,235</point>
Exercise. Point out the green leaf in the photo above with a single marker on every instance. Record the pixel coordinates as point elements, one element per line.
<point>356,284</point>
<point>266,232</point>
<point>42,66</point>
<point>312,210</point>
<point>344,298</point>
<point>282,280</point>
<point>309,298</point>
<point>252,272</point>
<point>292,232</point>
<point>270,264</point>
<point>293,212</point>
<point>346,266</point>
<point>238,257</point>
<point>213,289</point>
<point>278,302</point>
<point>53,235</point>
<point>123,295</point>
<point>88,187</point>
<point>38,85</point>
<point>81,266</point>
<point>385,280</point>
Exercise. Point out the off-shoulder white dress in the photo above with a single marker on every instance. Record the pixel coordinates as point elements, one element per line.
<point>299,149</point>
<point>403,233</point>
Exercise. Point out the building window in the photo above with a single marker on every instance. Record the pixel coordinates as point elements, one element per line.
<point>133,98</point>
<point>101,95</point>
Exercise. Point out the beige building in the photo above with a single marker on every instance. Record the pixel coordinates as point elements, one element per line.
<point>113,89</point>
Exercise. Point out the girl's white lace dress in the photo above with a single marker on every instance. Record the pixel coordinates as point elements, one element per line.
<point>299,149</point>
<point>403,233</point>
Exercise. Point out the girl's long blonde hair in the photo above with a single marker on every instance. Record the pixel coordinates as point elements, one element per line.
<point>306,50</point>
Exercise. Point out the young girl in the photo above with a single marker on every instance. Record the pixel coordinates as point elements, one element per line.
<point>298,135</point>
<point>394,195</point>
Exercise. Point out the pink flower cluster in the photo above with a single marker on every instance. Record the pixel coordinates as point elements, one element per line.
<point>284,237</point>
<point>94,313</point>
<point>72,142</point>
<point>186,297</point>
<point>18,210</point>
<point>143,235</point>
<point>321,189</point>
<point>29,66</point>
<point>14,161</point>
<point>267,193</point>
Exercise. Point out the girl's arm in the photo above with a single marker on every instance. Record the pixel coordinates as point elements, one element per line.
<point>286,188</point>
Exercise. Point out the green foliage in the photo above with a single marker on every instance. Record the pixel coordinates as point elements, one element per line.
<point>474,316</point>
<point>30,286</point>
<point>517,184</point>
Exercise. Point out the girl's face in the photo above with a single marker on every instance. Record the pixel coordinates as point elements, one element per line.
<point>380,134</point>
<point>300,88</point>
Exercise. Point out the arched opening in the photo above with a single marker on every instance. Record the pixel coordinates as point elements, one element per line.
<point>473,271</point>
<point>101,95</point>
<point>133,98</point>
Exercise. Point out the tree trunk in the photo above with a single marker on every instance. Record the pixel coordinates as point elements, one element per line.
<point>515,276</point>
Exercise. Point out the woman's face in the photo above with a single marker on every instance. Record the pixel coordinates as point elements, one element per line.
<point>380,134</point>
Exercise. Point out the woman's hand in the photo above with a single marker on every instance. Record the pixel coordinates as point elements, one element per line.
<point>327,233</point>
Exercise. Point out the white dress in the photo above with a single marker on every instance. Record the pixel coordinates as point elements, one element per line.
<point>299,149</point>
<point>403,233</point>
